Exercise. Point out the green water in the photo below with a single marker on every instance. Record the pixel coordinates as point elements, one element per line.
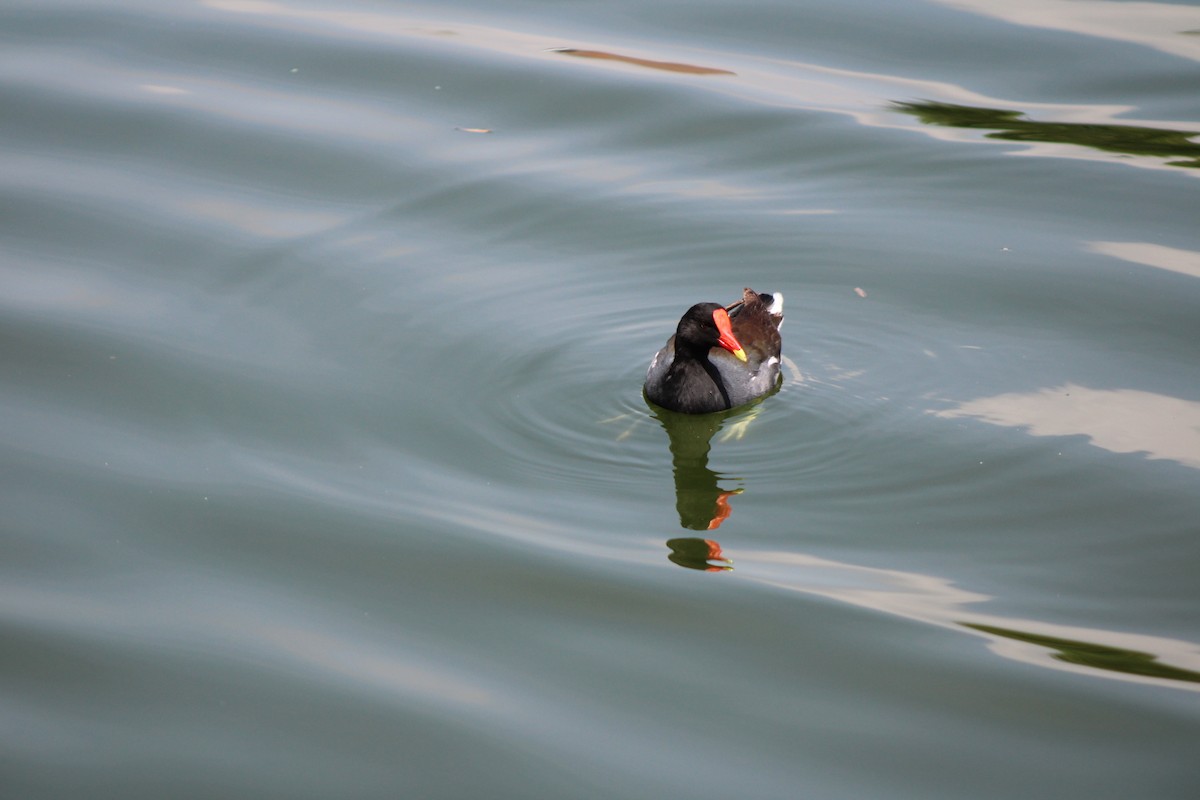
<point>326,467</point>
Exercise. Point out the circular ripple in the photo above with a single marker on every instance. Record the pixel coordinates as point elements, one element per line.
<point>565,406</point>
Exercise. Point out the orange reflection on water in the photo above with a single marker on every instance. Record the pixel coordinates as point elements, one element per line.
<point>669,66</point>
<point>722,509</point>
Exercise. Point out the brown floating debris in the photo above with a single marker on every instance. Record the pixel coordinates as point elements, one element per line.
<point>669,66</point>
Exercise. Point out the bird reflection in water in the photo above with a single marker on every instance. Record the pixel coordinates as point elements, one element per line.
<point>701,502</point>
<point>699,498</point>
<point>695,553</point>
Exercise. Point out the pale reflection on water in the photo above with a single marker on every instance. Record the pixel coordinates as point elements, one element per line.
<point>937,601</point>
<point>1119,420</point>
<point>1157,25</point>
<point>865,96</point>
<point>1174,259</point>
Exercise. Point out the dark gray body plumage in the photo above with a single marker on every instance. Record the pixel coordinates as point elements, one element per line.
<point>720,381</point>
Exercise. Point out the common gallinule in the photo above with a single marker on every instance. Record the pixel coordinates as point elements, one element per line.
<point>719,357</point>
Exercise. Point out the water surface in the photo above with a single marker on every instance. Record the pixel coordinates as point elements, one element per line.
<point>327,470</point>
